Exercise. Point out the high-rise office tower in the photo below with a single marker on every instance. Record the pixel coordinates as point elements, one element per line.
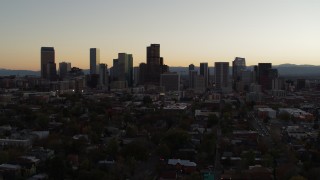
<point>129,70</point>
<point>94,60</point>
<point>122,69</point>
<point>278,84</point>
<point>238,65</point>
<point>170,81</point>
<point>191,67</point>
<point>51,71</point>
<point>103,74</point>
<point>265,75</point>
<point>204,71</point>
<point>246,77</point>
<point>155,65</point>
<point>114,70</point>
<point>263,70</point>
<point>221,74</point>
<point>153,54</point>
<point>255,73</point>
<point>47,56</point>
<point>271,74</point>
<point>192,78</point>
<point>136,75</point>
<point>64,68</point>
<point>142,73</point>
<point>199,84</point>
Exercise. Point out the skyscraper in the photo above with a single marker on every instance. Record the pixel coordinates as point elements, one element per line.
<point>191,67</point>
<point>246,77</point>
<point>155,65</point>
<point>103,74</point>
<point>51,71</point>
<point>94,60</point>
<point>136,75</point>
<point>64,68</point>
<point>199,84</point>
<point>265,75</point>
<point>153,54</point>
<point>204,71</point>
<point>221,74</point>
<point>47,56</point>
<point>238,65</point>
<point>122,69</point>
<point>192,78</point>
<point>271,74</point>
<point>170,81</point>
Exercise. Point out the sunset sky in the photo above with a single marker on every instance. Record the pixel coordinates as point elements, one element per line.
<point>189,31</point>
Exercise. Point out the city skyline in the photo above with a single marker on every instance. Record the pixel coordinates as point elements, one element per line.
<point>275,31</point>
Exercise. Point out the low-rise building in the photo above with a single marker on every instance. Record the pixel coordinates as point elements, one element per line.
<point>266,112</point>
<point>186,166</point>
<point>25,143</point>
<point>296,132</point>
<point>297,113</point>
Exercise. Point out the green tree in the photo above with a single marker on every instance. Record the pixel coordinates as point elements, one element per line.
<point>113,148</point>
<point>267,160</point>
<point>164,151</point>
<point>147,100</point>
<point>135,149</point>
<point>131,130</point>
<point>193,176</point>
<point>212,120</point>
<point>42,121</point>
<point>208,144</point>
<point>298,178</point>
<point>176,138</point>
<point>284,116</point>
<point>93,174</point>
<point>4,157</point>
<point>85,164</point>
<point>249,158</point>
<point>56,168</point>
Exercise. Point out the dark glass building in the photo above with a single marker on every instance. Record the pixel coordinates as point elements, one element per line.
<point>204,71</point>
<point>155,66</point>
<point>94,60</point>
<point>47,56</point>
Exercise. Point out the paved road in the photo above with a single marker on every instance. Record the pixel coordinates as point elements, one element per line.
<point>258,125</point>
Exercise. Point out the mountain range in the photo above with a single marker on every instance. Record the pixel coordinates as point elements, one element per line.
<point>283,69</point>
<point>292,70</point>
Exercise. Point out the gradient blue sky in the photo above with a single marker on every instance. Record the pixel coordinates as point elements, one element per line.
<point>189,31</point>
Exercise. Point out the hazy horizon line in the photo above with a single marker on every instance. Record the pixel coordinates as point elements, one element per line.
<point>4,68</point>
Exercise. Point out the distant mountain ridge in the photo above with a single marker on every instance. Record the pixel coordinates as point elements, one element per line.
<point>283,69</point>
<point>9,72</point>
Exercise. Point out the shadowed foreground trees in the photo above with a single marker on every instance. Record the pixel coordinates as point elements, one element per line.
<point>176,138</point>
<point>136,149</point>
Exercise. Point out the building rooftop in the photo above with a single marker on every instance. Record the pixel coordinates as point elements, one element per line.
<point>47,49</point>
<point>182,162</point>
